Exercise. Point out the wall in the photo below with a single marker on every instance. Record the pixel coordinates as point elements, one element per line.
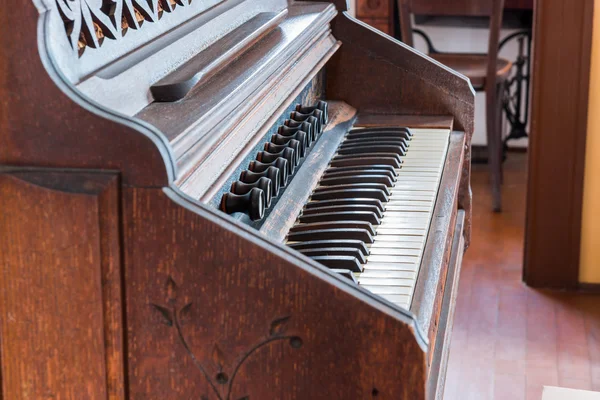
<point>589,269</point>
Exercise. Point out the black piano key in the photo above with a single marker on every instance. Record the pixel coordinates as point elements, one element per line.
<point>389,170</point>
<point>346,186</point>
<point>348,207</point>
<point>356,178</point>
<point>315,244</point>
<point>333,194</point>
<point>343,149</point>
<point>378,135</point>
<point>383,130</point>
<point>340,262</point>
<point>346,273</point>
<point>331,234</point>
<point>334,225</point>
<point>345,201</point>
<point>358,172</point>
<point>353,161</point>
<point>334,251</point>
<point>380,156</point>
<point>377,142</point>
<point>366,216</point>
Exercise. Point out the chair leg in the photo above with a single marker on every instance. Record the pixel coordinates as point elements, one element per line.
<point>500,94</point>
<point>494,146</point>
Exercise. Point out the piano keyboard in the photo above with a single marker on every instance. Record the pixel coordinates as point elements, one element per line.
<point>369,216</point>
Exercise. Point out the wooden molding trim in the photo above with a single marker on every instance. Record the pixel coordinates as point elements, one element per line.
<point>589,287</point>
<point>561,71</point>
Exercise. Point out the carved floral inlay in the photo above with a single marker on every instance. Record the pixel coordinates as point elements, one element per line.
<point>89,22</point>
<point>176,314</point>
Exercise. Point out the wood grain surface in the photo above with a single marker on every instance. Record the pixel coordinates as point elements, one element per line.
<point>61,324</point>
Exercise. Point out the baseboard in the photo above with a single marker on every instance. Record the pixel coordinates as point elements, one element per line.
<point>479,153</point>
<point>589,287</point>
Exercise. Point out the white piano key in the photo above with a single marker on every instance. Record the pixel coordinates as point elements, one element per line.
<point>401,238</point>
<point>410,196</point>
<point>398,299</point>
<point>412,202</point>
<point>377,258</point>
<point>373,266</point>
<point>387,225</point>
<point>387,274</point>
<point>394,251</point>
<point>380,244</point>
<point>417,174</point>
<point>383,231</point>
<point>395,282</point>
<point>405,207</point>
<point>406,290</point>
<point>408,168</point>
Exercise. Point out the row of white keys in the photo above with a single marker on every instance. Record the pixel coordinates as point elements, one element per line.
<point>395,257</point>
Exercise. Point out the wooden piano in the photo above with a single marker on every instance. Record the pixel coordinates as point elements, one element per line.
<point>225,199</point>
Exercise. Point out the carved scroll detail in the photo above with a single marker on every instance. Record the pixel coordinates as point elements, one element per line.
<point>89,22</point>
<point>175,314</point>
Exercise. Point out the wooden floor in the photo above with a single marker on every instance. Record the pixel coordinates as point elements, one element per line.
<point>510,340</point>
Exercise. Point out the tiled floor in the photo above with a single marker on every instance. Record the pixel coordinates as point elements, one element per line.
<point>509,340</point>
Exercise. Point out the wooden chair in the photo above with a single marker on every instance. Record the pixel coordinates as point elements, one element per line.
<point>487,72</point>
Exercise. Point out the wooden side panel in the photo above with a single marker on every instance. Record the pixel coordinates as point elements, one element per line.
<point>216,312</point>
<point>431,282</point>
<point>60,309</point>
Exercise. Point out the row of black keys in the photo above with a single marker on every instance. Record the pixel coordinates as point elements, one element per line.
<point>337,222</point>
<point>273,166</point>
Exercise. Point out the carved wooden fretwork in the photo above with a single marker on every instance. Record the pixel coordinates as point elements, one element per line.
<point>89,22</point>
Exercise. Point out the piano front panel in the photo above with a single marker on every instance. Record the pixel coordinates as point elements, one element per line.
<point>218,312</point>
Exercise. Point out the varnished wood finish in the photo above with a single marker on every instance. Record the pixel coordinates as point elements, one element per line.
<point>414,121</point>
<point>559,113</point>
<point>117,282</point>
<point>439,359</point>
<point>209,324</point>
<point>377,14</point>
<point>431,282</point>
<point>140,155</point>
<point>61,326</point>
<point>509,340</point>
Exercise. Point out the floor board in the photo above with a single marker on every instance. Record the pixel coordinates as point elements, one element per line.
<point>509,340</point>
